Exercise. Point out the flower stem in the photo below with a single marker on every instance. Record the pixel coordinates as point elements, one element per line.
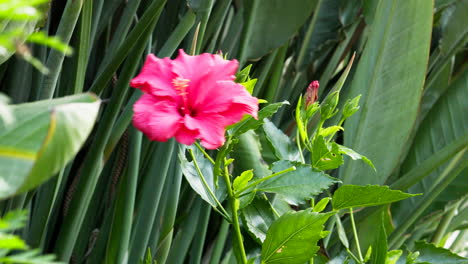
<point>204,153</point>
<point>293,168</point>
<point>221,210</point>
<point>358,247</point>
<point>235,217</point>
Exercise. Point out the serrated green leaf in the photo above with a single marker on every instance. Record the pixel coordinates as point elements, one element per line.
<point>251,123</point>
<point>293,237</point>
<point>434,255</point>
<point>242,180</point>
<point>282,145</point>
<point>325,156</point>
<point>348,196</point>
<point>258,216</point>
<point>299,185</point>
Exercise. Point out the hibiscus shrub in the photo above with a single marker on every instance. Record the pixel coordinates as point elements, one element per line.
<point>261,131</point>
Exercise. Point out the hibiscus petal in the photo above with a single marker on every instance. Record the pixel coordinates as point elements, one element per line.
<point>196,67</point>
<point>210,128</point>
<point>223,96</point>
<point>158,119</point>
<point>186,136</point>
<point>156,77</point>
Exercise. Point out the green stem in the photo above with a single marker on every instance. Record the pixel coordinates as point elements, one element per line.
<point>293,168</point>
<point>353,224</point>
<point>235,218</point>
<point>204,153</point>
<point>213,196</point>
<point>299,147</point>
<point>444,223</point>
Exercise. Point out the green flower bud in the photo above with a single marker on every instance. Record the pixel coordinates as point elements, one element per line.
<point>328,107</point>
<point>351,107</point>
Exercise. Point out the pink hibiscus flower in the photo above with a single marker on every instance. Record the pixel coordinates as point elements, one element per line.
<point>189,98</point>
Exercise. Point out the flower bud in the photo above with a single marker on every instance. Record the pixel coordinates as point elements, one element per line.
<point>327,108</point>
<point>351,107</point>
<point>312,93</point>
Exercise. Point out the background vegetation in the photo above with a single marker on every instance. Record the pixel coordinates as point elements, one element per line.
<point>107,198</point>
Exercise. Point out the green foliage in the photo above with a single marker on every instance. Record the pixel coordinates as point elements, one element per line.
<point>42,137</point>
<point>265,34</point>
<point>250,123</point>
<point>348,196</point>
<point>393,59</point>
<point>293,237</point>
<point>12,248</point>
<point>428,253</point>
<point>203,184</point>
<point>258,216</point>
<point>283,147</point>
<point>299,185</point>
<point>392,83</point>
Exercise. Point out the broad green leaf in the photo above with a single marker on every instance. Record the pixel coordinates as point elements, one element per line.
<point>193,178</point>
<point>44,136</point>
<point>455,34</point>
<point>389,76</point>
<point>299,185</point>
<point>348,196</point>
<point>428,253</point>
<point>325,156</point>
<point>379,246</point>
<point>293,237</point>
<point>242,180</point>
<point>283,147</point>
<point>257,217</point>
<point>444,124</point>
<point>268,33</point>
<point>250,123</point>
<point>247,154</point>
<point>322,33</point>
